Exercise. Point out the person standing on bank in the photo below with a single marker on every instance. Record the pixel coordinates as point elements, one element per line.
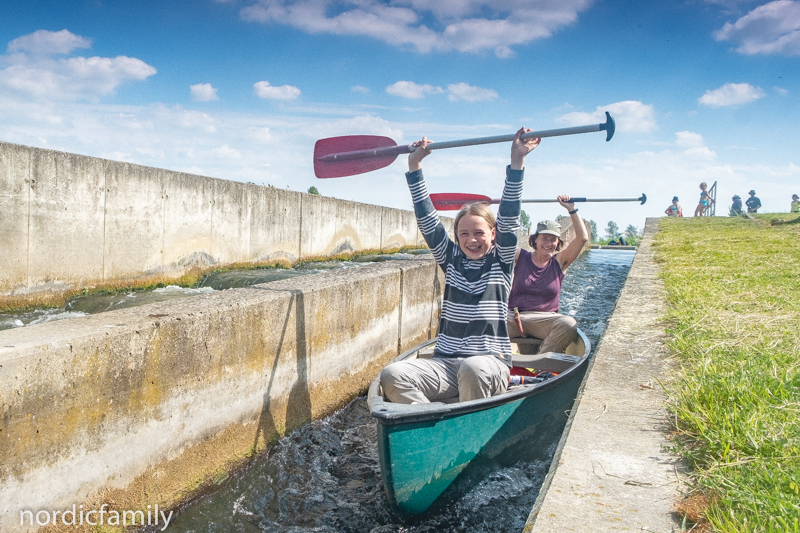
<point>705,200</point>
<point>537,281</point>
<point>752,203</point>
<point>795,207</point>
<point>472,358</point>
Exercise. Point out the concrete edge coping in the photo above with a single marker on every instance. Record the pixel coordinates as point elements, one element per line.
<point>27,337</point>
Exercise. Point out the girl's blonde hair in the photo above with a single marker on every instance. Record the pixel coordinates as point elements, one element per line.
<point>478,209</point>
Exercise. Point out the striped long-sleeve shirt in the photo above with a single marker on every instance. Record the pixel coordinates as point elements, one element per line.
<point>475,305</point>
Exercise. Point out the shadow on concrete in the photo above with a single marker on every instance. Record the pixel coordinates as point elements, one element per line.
<point>298,409</point>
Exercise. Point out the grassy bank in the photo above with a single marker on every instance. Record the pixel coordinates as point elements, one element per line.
<point>733,320</point>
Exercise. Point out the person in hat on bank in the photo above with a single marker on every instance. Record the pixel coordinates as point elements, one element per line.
<point>795,204</point>
<point>736,207</point>
<point>753,203</point>
<point>536,286</point>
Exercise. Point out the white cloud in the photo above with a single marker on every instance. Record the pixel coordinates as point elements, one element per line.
<point>695,145</point>
<point>731,94</point>
<point>474,26</point>
<point>203,92</point>
<point>773,28</point>
<point>464,91</point>
<point>688,139</point>
<point>359,89</point>
<point>226,152</point>
<point>409,89</point>
<point>193,119</point>
<point>260,134</point>
<point>49,42</point>
<point>781,91</point>
<point>263,89</point>
<point>629,116</point>
<point>33,71</point>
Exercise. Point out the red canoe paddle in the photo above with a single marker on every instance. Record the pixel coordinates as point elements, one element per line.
<point>349,155</point>
<point>452,201</point>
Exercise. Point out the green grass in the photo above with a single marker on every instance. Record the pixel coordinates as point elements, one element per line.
<point>733,321</point>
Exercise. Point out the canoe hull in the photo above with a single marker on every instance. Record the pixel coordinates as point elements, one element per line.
<point>421,458</point>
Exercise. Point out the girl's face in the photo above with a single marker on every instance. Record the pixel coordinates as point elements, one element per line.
<point>474,236</point>
<point>674,202</point>
<point>547,243</point>
<point>703,186</point>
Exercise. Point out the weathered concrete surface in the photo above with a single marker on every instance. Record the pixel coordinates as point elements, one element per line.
<point>69,221</point>
<point>613,473</point>
<point>65,240</point>
<point>146,405</point>
<point>399,230</point>
<point>14,214</point>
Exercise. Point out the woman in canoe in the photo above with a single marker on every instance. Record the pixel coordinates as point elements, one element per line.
<point>472,358</point>
<point>537,281</point>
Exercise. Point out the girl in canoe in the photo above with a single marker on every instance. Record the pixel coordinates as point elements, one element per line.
<point>472,358</point>
<point>537,283</point>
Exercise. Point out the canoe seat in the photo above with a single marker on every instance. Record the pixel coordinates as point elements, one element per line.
<point>426,352</point>
<point>525,345</point>
<point>547,361</point>
<point>519,345</point>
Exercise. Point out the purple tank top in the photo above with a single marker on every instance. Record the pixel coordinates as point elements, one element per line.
<point>534,288</point>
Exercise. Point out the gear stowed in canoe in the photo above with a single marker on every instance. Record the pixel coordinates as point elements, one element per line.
<point>424,448</point>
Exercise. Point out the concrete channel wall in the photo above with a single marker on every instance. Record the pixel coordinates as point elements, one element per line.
<point>71,221</point>
<point>148,405</point>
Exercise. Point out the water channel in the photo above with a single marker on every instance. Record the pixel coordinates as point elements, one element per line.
<point>325,478</point>
<point>88,305</point>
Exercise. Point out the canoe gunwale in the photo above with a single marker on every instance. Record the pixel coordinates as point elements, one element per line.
<point>388,413</point>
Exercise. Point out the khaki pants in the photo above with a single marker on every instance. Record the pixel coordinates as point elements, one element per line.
<point>440,378</point>
<point>556,331</point>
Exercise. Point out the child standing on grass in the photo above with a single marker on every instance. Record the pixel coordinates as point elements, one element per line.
<point>472,358</point>
<point>705,200</point>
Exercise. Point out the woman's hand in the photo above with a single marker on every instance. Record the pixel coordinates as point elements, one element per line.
<point>522,147</point>
<point>564,200</point>
<point>415,158</point>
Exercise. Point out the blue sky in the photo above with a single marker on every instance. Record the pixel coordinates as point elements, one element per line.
<point>241,89</point>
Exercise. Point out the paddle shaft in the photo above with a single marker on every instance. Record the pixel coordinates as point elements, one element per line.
<point>394,151</point>
<point>542,201</point>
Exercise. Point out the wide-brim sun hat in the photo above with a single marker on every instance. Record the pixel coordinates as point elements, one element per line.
<point>752,192</point>
<point>550,227</point>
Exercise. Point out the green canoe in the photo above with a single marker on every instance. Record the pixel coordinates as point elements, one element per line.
<point>424,448</point>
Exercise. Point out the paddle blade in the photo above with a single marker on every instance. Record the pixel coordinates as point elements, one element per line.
<point>328,168</point>
<point>453,201</point>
